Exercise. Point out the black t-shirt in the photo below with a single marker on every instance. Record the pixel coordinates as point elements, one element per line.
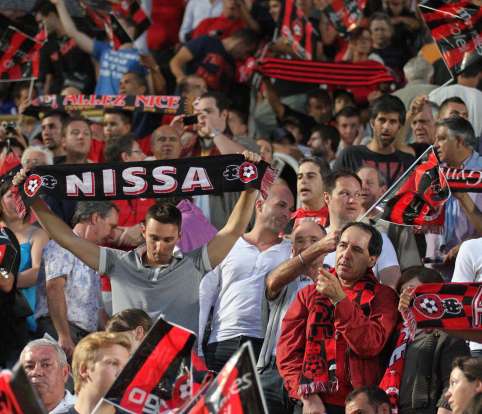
<point>211,62</point>
<point>391,166</point>
<point>62,58</point>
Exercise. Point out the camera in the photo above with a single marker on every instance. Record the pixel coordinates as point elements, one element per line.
<point>10,128</point>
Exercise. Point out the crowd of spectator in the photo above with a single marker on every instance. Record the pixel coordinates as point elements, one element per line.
<point>299,273</point>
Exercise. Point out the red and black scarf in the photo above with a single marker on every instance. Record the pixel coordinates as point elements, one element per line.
<point>464,181</point>
<point>318,373</point>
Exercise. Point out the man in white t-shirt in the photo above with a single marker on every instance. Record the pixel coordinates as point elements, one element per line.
<point>343,191</point>
<point>237,315</point>
<point>468,268</point>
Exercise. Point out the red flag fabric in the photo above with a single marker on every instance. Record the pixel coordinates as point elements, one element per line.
<point>116,32</point>
<point>17,55</point>
<point>157,376</point>
<point>295,26</point>
<point>133,10</point>
<point>345,15</point>
<point>456,27</point>
<point>466,181</point>
<point>419,196</point>
<point>236,389</point>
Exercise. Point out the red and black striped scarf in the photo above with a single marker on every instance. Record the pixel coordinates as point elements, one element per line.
<point>318,373</point>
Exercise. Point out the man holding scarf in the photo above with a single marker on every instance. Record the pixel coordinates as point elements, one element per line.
<point>334,332</point>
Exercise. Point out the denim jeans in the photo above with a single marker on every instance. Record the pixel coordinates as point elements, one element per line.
<point>218,353</point>
<point>274,391</point>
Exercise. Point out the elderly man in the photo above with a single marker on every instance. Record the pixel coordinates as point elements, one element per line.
<point>309,245</point>
<point>335,330</point>
<point>45,364</point>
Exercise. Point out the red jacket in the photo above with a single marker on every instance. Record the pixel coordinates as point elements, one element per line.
<point>360,340</point>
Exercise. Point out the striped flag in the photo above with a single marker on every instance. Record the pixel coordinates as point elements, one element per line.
<point>345,15</point>
<point>456,27</point>
<point>132,9</point>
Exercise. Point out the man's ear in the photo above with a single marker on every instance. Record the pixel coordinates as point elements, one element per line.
<point>123,156</point>
<point>65,373</point>
<point>143,230</point>
<point>372,123</point>
<point>139,333</point>
<point>372,260</point>
<point>478,387</point>
<point>326,197</point>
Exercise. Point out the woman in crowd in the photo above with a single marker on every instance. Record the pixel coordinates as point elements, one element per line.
<point>133,322</point>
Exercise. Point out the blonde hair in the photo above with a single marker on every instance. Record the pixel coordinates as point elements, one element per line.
<point>87,350</point>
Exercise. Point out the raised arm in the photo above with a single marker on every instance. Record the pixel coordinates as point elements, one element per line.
<point>221,244</point>
<point>274,99</point>
<point>178,62</point>
<point>85,42</point>
<point>85,250</point>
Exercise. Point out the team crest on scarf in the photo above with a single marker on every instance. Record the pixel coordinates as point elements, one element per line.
<point>433,307</point>
<point>248,172</point>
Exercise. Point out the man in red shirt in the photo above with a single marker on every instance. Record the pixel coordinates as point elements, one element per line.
<point>335,330</point>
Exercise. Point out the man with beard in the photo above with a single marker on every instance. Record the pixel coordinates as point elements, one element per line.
<point>387,115</point>
<point>52,134</point>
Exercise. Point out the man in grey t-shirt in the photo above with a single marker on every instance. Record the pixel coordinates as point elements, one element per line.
<point>152,277</point>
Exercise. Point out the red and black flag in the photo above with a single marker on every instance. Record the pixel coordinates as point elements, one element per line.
<point>132,10</point>
<point>17,396</point>
<point>236,389</point>
<point>463,181</point>
<point>295,26</point>
<point>17,55</point>
<point>116,32</point>
<point>418,197</point>
<point>456,27</point>
<point>345,15</point>
<point>157,376</point>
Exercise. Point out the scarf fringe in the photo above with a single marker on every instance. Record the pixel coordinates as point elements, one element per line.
<point>329,387</point>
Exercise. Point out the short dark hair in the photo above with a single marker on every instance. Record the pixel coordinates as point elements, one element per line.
<point>452,99</point>
<point>388,104</point>
<point>124,115</point>
<point>243,116</point>
<point>422,273</point>
<point>321,163</point>
<point>472,70</point>
<point>127,320</point>
<point>461,128</point>
<point>348,112</point>
<point>357,33</point>
<point>45,7</point>
<point>76,118</point>
<point>116,146</point>
<point>222,102</point>
<point>470,366</point>
<point>165,213</point>
<point>319,94</point>
<point>85,209</point>
<point>375,395</point>
<point>140,78</point>
<point>339,93</point>
<point>376,242</point>
<point>331,179</point>
<point>328,133</point>
<point>247,36</point>
<point>61,115</point>
<point>380,16</point>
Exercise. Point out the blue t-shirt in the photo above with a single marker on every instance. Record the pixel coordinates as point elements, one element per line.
<point>113,64</point>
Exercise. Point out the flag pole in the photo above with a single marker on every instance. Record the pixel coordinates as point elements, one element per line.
<point>409,169</point>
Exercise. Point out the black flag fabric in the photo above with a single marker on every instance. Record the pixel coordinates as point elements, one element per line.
<point>345,15</point>
<point>9,252</point>
<point>456,27</point>
<point>134,11</point>
<point>157,377</point>
<point>236,389</point>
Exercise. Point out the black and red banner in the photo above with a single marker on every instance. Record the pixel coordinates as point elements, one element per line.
<point>156,378</point>
<point>456,27</point>
<point>9,252</point>
<point>17,55</point>
<point>295,26</point>
<point>449,306</point>
<point>418,197</point>
<point>345,15</point>
<point>148,179</point>
<point>17,396</point>
<point>236,389</point>
<point>464,181</point>
<point>161,104</point>
<point>133,10</point>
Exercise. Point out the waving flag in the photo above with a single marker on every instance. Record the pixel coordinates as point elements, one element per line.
<point>299,31</point>
<point>345,15</point>
<point>132,9</point>
<point>418,197</point>
<point>456,27</point>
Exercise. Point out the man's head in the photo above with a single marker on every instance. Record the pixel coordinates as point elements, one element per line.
<point>231,9</point>
<point>45,364</point>
<point>367,400</point>
<point>454,140</point>
<point>34,156</point>
<point>373,185</point>
<point>423,123</point>
<point>305,233</point>
<point>274,213</point>
<point>98,360</point>
<point>342,98</point>
<point>212,110</point>
<point>238,122</point>
<point>192,86</point>
<point>318,105</point>
<point>241,44</point>
<point>453,106</point>
<point>266,149</point>
<point>387,115</point>
<point>133,83</point>
<point>116,123</point>
<point>98,218</point>
<point>76,138</point>
<point>357,251</point>
<point>472,75</point>
<point>123,149</point>
<point>381,30</point>
<point>293,125</point>
<point>342,195</point>
<point>348,124</point>
<point>166,143</point>
<point>310,181</point>
<point>47,16</point>
<point>133,322</point>
<point>52,130</point>
<point>418,69</point>
<point>161,230</point>
<point>324,141</point>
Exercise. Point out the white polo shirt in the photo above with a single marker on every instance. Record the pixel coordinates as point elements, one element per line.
<point>241,285</point>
